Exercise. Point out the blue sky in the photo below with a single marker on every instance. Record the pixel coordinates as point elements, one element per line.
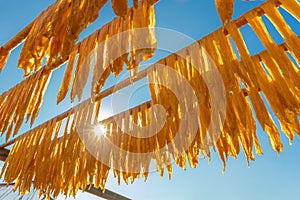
<point>270,177</point>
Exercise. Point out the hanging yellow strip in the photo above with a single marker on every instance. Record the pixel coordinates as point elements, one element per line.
<point>64,87</point>
<point>56,31</point>
<point>292,41</point>
<point>3,58</point>
<point>292,6</point>
<point>109,48</point>
<point>23,101</point>
<point>225,9</point>
<point>120,7</point>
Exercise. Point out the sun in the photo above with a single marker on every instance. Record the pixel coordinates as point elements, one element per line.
<point>100,130</point>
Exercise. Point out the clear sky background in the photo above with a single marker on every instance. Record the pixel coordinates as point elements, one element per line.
<point>269,177</point>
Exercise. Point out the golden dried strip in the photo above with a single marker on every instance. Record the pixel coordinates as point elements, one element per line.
<point>7,109</point>
<point>86,56</point>
<point>283,85</point>
<point>32,87</point>
<point>247,125</point>
<point>43,85</point>
<point>112,51</point>
<point>240,106</point>
<point>291,40</point>
<point>34,98</point>
<point>12,43</point>
<point>56,30</point>
<point>225,10</point>
<point>3,58</point>
<point>120,7</point>
<point>64,87</point>
<point>247,68</point>
<point>265,120</point>
<point>210,60</point>
<point>19,116</point>
<point>194,62</point>
<point>164,96</point>
<point>100,74</point>
<point>76,81</point>
<point>278,54</point>
<point>274,99</point>
<point>34,49</point>
<point>292,6</point>
<point>230,66</point>
<point>143,41</point>
<point>290,103</point>
<point>24,100</point>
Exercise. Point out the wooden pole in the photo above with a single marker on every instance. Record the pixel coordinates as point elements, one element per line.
<point>107,194</point>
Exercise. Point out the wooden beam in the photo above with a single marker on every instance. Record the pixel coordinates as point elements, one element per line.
<point>107,194</point>
<point>3,154</point>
